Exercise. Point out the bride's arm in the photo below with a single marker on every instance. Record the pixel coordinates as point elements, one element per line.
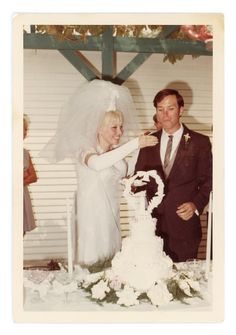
<point>103,161</point>
<point>107,159</point>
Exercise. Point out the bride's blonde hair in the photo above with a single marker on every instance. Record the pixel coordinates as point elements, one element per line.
<point>112,116</point>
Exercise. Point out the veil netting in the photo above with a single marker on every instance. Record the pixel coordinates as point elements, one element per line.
<point>81,117</point>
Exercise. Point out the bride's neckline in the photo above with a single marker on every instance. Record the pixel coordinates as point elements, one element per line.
<point>100,150</point>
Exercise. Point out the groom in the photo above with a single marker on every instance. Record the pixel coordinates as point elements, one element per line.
<point>183,159</point>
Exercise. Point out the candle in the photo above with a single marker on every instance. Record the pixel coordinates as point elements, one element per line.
<point>69,239</point>
<point>208,250</point>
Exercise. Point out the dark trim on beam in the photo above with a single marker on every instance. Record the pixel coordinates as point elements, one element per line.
<point>81,63</point>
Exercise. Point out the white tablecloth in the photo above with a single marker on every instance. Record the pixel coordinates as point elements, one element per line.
<point>41,295</point>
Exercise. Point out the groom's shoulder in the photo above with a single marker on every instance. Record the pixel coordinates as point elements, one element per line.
<point>195,135</point>
<point>198,136</point>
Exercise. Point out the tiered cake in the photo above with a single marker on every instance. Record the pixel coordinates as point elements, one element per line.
<point>141,261</point>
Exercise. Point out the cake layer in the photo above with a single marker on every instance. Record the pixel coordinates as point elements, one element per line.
<point>143,227</point>
<point>140,274</point>
<point>151,249</point>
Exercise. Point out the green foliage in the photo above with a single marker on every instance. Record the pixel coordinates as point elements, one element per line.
<point>178,293</point>
<point>111,297</point>
<point>99,266</point>
<point>172,58</point>
<point>143,296</point>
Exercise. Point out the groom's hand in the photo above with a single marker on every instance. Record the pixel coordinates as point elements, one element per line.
<point>186,210</point>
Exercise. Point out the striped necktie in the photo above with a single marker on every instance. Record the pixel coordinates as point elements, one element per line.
<point>168,151</point>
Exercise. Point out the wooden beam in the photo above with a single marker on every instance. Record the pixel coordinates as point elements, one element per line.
<point>132,66</point>
<point>121,44</point>
<point>44,41</point>
<point>108,54</point>
<point>163,46</point>
<point>81,63</point>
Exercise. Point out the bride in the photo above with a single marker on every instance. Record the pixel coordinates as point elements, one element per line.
<point>89,131</point>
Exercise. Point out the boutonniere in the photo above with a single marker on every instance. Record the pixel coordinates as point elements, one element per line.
<point>187,137</point>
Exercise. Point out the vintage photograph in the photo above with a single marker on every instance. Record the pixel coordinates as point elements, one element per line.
<point>120,120</point>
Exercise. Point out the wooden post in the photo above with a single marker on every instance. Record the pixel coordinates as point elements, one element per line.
<point>69,239</point>
<point>208,249</point>
<point>108,55</point>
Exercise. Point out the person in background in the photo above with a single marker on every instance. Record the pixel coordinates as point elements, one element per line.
<point>29,177</point>
<point>183,159</point>
<point>157,123</point>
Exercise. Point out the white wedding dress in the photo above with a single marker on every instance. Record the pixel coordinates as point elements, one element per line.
<point>98,234</point>
<point>98,206</point>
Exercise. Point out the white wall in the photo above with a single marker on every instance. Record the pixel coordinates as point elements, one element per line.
<point>49,80</point>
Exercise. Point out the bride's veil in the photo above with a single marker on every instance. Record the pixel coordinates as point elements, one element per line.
<point>81,117</point>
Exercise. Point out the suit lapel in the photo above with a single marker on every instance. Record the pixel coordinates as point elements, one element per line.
<point>157,155</point>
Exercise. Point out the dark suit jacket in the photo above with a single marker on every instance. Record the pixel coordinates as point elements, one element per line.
<point>190,179</point>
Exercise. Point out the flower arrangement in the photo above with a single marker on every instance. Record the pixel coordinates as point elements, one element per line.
<point>105,287</point>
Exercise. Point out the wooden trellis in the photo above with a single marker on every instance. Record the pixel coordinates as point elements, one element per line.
<point>109,45</point>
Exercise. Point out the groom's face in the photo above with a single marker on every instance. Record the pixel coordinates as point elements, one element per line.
<point>168,113</point>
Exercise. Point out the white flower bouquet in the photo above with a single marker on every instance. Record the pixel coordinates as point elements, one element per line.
<point>106,287</point>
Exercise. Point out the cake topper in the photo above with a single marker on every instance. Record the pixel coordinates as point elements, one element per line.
<point>140,179</point>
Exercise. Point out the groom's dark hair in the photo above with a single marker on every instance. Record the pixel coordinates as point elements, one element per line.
<point>164,93</point>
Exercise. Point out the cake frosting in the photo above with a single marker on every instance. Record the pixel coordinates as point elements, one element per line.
<point>142,261</point>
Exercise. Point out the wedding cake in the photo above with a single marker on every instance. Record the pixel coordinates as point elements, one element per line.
<point>142,261</point>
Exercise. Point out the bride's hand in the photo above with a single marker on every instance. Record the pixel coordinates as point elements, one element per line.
<point>147,141</point>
